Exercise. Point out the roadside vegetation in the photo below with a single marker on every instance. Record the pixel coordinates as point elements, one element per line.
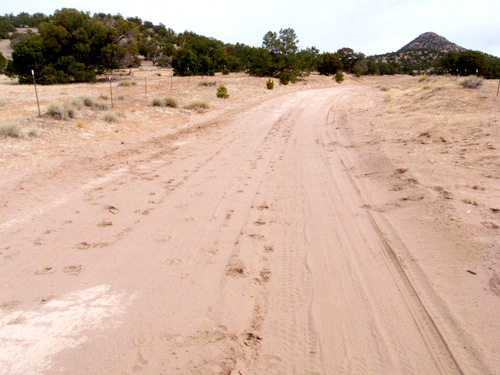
<point>74,46</point>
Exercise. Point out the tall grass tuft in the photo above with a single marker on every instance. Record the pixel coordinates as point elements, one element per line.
<point>9,130</point>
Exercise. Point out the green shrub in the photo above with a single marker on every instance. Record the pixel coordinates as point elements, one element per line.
<point>222,92</point>
<point>285,77</point>
<point>225,71</point>
<point>270,84</point>
<point>9,130</point>
<point>339,76</point>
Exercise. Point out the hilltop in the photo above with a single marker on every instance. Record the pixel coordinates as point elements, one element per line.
<point>421,54</point>
<point>431,41</point>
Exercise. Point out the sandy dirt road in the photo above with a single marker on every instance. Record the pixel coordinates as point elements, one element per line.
<point>240,247</point>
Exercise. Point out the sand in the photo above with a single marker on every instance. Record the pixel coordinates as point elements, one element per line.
<point>316,228</point>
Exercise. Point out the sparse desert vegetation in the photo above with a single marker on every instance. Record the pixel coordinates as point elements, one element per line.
<point>9,130</point>
<point>222,92</point>
<point>472,82</point>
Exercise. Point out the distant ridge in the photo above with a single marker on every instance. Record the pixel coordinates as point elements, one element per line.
<point>432,41</point>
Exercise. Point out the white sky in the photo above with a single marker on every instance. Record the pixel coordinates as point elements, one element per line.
<point>368,26</point>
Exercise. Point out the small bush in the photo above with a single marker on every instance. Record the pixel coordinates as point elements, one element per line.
<point>170,102</point>
<point>388,97</point>
<point>225,71</point>
<point>222,92</point>
<point>101,106</point>
<point>207,83</point>
<point>103,97</point>
<point>32,133</point>
<point>164,102</point>
<point>158,74</point>
<point>285,77</point>
<point>199,104</point>
<point>110,117</point>
<point>385,88</point>
<point>423,78</point>
<point>121,97</point>
<point>339,76</point>
<point>270,84</point>
<point>157,102</point>
<point>65,112</point>
<point>472,82</point>
<point>127,83</point>
<point>9,130</point>
<point>2,103</point>
<point>77,103</point>
<point>88,102</point>
<point>80,124</point>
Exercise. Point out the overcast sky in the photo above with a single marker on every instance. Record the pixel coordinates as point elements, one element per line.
<point>368,26</point>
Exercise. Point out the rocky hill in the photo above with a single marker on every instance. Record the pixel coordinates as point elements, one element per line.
<point>420,55</point>
<point>433,42</point>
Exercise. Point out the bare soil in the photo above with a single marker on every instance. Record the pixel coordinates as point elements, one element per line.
<point>316,228</point>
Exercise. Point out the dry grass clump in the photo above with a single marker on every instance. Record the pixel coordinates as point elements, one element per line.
<point>87,102</point>
<point>77,103</point>
<point>385,88</point>
<point>127,83</point>
<point>65,112</point>
<point>472,82</point>
<point>164,102</point>
<point>207,83</point>
<point>9,130</point>
<point>423,78</point>
<point>121,97</point>
<point>110,117</point>
<point>198,104</point>
<point>90,103</point>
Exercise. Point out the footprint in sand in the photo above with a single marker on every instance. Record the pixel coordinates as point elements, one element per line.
<point>170,261</point>
<point>268,248</point>
<point>236,270</point>
<point>73,270</point>
<point>113,209</point>
<point>45,271</point>
<point>264,277</point>
<point>105,223</point>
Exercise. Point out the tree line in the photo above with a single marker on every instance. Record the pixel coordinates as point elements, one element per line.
<point>74,46</point>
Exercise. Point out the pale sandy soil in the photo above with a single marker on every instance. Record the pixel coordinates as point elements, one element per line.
<point>313,229</point>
